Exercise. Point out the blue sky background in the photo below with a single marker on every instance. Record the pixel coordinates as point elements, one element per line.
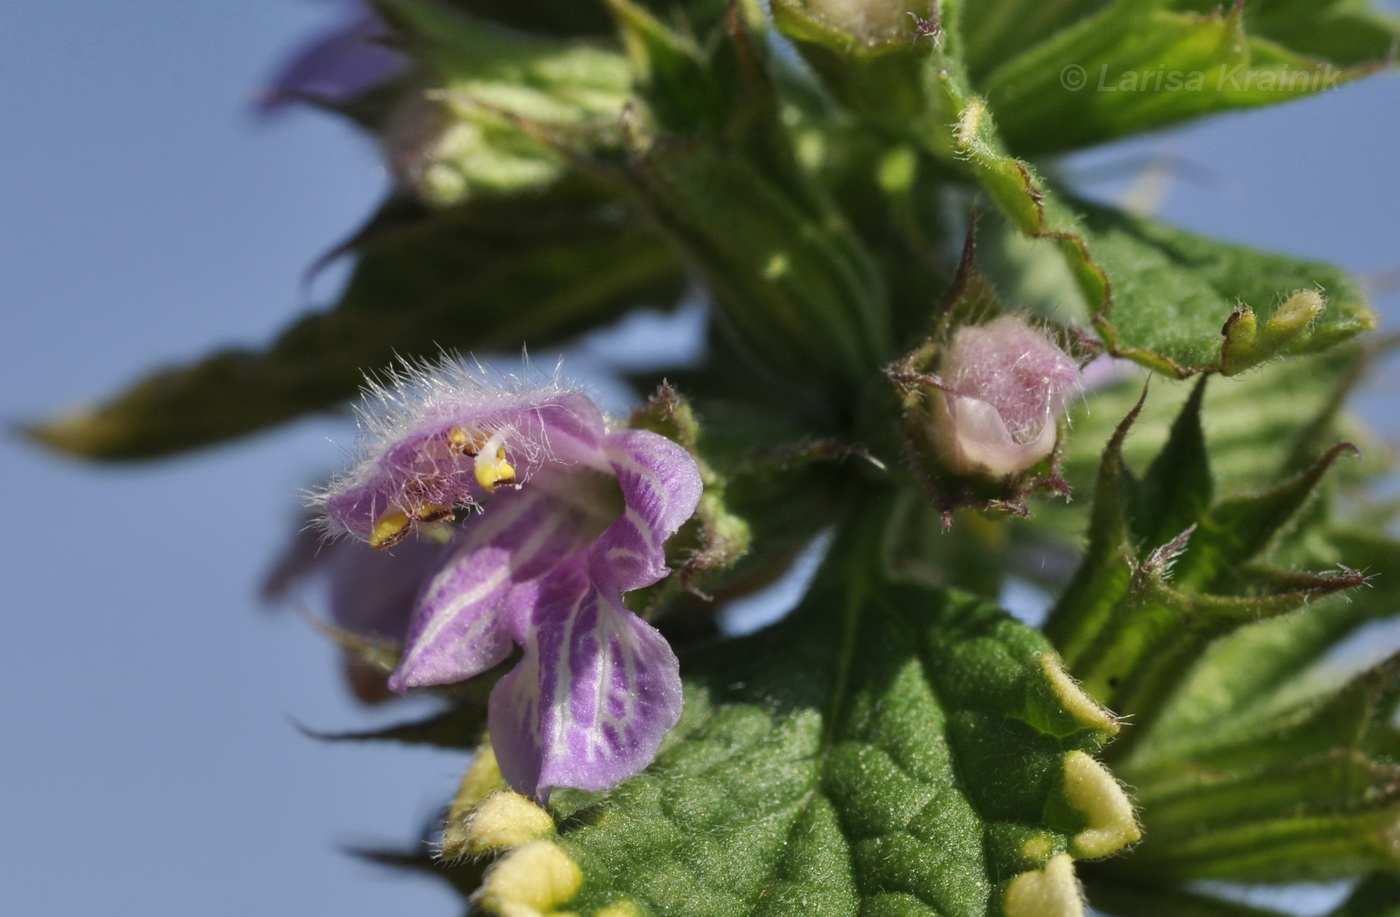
<point>147,758</point>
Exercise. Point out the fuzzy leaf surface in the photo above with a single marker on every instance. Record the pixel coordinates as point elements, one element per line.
<point>884,750</point>
<point>1172,291</point>
<point>1261,424</point>
<point>1244,768</point>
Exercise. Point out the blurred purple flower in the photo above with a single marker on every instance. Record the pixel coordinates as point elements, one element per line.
<point>368,593</point>
<point>339,66</point>
<point>572,516</point>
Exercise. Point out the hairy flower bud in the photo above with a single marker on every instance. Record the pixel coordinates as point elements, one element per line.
<point>1004,385</point>
<point>1248,342</point>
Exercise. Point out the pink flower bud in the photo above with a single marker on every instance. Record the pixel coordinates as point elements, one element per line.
<point>1004,385</point>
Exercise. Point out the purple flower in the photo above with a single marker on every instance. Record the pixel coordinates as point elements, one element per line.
<point>1004,385</point>
<point>339,66</point>
<point>571,516</point>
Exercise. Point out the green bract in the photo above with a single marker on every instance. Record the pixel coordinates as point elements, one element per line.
<point>898,744</point>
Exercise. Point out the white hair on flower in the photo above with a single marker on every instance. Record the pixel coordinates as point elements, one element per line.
<point>434,436</point>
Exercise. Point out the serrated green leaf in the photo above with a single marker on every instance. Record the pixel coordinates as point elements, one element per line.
<point>460,726</point>
<point>956,126</point>
<point>1173,291</point>
<point>491,275</point>
<point>886,749</point>
<point>1277,730</point>
<point>1271,421</point>
<point>1346,32</point>
<point>1180,599</point>
<point>1238,529</point>
<point>1326,816</point>
<point>1158,296</point>
<point>1247,670</point>
<point>1138,613</point>
<point>1177,488</point>
<point>1013,184</point>
<point>1150,899</point>
<point>1135,66</point>
<point>1158,633</point>
<point>1258,770</point>
<point>1274,420</point>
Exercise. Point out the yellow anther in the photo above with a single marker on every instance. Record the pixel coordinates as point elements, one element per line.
<point>432,512</point>
<point>491,475</point>
<point>492,469</point>
<point>464,441</point>
<point>391,528</point>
